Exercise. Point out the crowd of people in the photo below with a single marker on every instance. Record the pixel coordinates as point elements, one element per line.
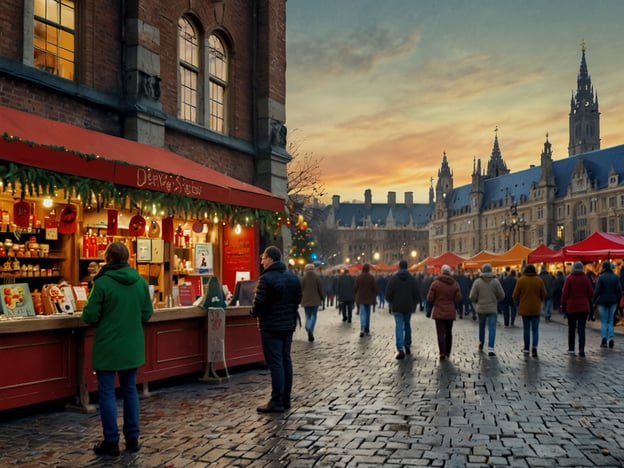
<point>443,297</point>
<point>580,296</point>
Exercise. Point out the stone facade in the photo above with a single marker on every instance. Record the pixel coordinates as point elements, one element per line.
<point>555,202</point>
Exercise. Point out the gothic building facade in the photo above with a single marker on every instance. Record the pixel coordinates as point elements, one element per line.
<point>555,202</point>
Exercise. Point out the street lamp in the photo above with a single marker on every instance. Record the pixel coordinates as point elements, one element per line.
<point>376,257</point>
<point>512,223</point>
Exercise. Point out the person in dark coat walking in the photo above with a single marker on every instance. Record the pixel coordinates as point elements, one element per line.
<point>403,295</point>
<point>508,305</point>
<point>365,296</point>
<point>345,294</point>
<point>607,295</point>
<point>465,307</point>
<point>118,304</point>
<point>576,301</point>
<point>557,290</point>
<point>548,284</point>
<point>276,306</point>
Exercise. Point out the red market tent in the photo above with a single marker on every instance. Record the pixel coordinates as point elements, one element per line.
<point>598,246</point>
<point>448,258</point>
<point>544,254</point>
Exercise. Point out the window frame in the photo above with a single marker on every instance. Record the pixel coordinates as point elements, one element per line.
<point>193,70</point>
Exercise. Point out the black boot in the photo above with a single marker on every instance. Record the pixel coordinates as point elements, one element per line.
<point>107,448</point>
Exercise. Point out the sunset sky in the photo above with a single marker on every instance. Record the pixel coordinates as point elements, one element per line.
<point>379,90</point>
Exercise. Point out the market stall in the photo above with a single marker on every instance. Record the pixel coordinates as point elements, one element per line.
<point>67,193</point>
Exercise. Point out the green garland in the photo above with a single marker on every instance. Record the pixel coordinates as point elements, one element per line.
<point>92,192</point>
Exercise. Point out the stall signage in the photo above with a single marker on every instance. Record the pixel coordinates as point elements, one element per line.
<point>216,334</point>
<point>150,179</point>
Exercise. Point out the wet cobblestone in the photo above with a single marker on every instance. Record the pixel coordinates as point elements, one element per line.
<point>355,405</point>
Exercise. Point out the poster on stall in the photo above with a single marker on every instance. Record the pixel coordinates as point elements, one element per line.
<point>204,259</point>
<point>17,301</point>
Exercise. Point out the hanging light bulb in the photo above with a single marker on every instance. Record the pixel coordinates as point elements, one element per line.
<point>238,229</point>
<point>47,202</point>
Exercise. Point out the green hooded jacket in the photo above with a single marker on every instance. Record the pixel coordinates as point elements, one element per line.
<point>118,304</point>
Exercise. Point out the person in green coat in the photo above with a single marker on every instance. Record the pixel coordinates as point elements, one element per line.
<point>117,306</point>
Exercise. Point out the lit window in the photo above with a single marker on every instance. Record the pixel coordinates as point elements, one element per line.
<point>54,37</point>
<point>218,76</point>
<point>188,44</point>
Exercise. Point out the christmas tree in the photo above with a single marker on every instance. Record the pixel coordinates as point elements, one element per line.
<point>303,249</point>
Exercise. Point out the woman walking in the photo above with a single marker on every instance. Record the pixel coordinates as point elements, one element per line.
<point>576,301</point>
<point>486,293</point>
<point>529,294</point>
<point>312,297</point>
<point>607,295</point>
<point>444,295</point>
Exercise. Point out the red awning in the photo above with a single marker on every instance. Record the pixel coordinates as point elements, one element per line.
<point>544,254</point>
<point>78,151</point>
<point>598,246</point>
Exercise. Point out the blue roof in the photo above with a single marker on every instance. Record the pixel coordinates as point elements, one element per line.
<point>518,184</point>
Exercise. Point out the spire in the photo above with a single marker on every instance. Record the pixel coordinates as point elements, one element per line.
<point>584,114</point>
<point>496,164</point>
<point>584,89</point>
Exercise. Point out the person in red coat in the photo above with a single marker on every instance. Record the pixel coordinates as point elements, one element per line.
<point>576,302</point>
<point>444,295</point>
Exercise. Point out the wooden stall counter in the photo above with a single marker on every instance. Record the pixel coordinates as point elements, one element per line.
<point>49,357</point>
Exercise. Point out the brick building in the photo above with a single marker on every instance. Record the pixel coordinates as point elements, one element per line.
<point>202,79</point>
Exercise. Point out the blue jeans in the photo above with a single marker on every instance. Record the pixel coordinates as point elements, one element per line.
<point>403,330</point>
<point>530,325</point>
<point>276,348</point>
<point>310,317</point>
<point>607,314</point>
<point>547,307</point>
<point>490,319</point>
<point>365,313</point>
<point>108,404</point>
<point>382,300</point>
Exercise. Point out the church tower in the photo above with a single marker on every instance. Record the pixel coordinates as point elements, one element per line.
<point>584,115</point>
<point>445,180</point>
<point>496,165</point>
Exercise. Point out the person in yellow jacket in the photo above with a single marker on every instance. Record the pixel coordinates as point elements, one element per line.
<point>529,294</point>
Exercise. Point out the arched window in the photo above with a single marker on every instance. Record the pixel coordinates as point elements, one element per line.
<point>189,70</point>
<point>218,82</point>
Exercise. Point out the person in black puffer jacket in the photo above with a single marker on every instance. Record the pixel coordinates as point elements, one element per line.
<point>403,295</point>
<point>276,306</point>
<point>607,294</point>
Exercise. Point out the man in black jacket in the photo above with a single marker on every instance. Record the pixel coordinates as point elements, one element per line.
<point>403,295</point>
<point>276,303</point>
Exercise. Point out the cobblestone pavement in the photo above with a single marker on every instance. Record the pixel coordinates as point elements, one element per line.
<point>354,404</point>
